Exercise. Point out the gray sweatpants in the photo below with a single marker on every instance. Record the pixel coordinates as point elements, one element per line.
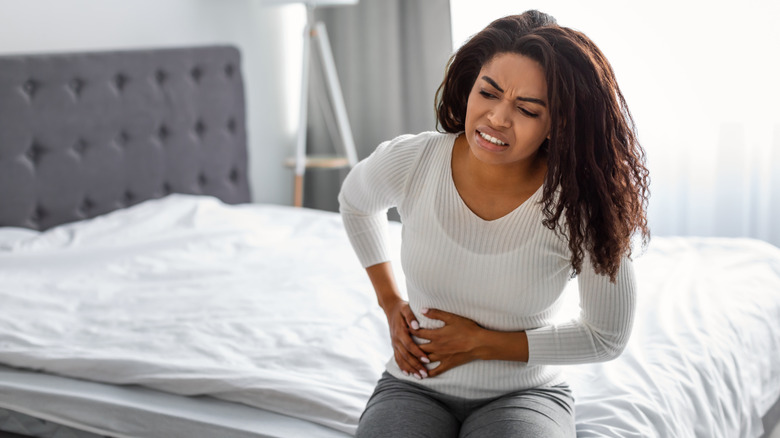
<point>400,409</point>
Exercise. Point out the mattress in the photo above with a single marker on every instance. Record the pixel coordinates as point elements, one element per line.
<point>265,310</point>
<point>44,405</point>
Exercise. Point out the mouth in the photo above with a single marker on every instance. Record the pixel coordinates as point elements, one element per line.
<point>490,142</point>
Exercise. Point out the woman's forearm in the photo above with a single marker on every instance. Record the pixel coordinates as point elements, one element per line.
<point>400,319</point>
<point>496,345</point>
<point>383,281</point>
<point>461,340</point>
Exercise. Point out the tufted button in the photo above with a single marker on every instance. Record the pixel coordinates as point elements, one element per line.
<point>128,197</point>
<point>160,76</point>
<point>122,139</point>
<point>39,214</point>
<point>200,128</point>
<point>86,206</point>
<point>234,175</point>
<point>229,70</point>
<point>31,87</point>
<point>166,188</point>
<point>80,147</point>
<point>196,73</point>
<point>163,133</point>
<point>120,81</point>
<point>231,125</point>
<point>202,180</point>
<point>35,152</point>
<point>76,85</point>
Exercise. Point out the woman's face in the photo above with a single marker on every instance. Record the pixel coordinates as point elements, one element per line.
<point>507,115</point>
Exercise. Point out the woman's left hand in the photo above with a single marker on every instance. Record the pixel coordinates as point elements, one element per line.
<point>454,344</point>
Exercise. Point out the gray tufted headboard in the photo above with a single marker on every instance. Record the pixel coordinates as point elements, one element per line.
<point>82,134</point>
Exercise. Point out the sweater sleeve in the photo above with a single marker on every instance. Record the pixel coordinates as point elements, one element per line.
<point>373,186</point>
<point>603,328</point>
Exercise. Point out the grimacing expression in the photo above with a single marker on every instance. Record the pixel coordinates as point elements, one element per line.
<point>507,114</point>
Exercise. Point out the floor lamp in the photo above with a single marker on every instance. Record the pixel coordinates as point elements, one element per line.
<point>316,35</point>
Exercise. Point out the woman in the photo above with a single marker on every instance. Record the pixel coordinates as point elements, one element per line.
<point>537,178</point>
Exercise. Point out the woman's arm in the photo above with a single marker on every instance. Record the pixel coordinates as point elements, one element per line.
<point>401,320</point>
<point>462,340</point>
<point>370,189</point>
<point>603,328</point>
<point>374,185</point>
<point>599,334</point>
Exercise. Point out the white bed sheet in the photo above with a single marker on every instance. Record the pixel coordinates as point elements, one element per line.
<point>261,305</point>
<point>704,356</point>
<point>138,412</point>
<point>267,306</point>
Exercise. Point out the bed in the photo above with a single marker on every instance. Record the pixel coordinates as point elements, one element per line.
<point>144,295</point>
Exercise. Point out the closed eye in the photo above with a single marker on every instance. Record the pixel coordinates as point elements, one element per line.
<point>527,113</point>
<point>488,95</point>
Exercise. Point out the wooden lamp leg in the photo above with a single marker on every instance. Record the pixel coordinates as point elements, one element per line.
<point>298,199</point>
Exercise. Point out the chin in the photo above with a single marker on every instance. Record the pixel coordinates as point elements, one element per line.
<point>488,157</point>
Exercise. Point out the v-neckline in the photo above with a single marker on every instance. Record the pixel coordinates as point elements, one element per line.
<point>454,188</point>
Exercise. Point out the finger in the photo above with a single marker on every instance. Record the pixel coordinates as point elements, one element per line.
<point>419,372</point>
<point>444,365</point>
<point>415,351</point>
<point>428,348</point>
<point>441,315</point>
<point>412,346</point>
<point>408,315</point>
<point>403,364</point>
<point>427,334</point>
<point>413,355</point>
<point>405,360</point>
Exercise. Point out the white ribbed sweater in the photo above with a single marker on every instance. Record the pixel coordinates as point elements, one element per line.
<point>506,274</point>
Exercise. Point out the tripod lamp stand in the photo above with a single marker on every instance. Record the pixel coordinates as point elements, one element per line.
<point>316,38</point>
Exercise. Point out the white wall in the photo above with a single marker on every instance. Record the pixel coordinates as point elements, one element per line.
<point>269,38</point>
<point>701,79</point>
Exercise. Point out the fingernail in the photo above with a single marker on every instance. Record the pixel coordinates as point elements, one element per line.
<point>424,310</point>
<point>406,373</point>
<point>424,374</point>
<point>415,325</point>
<point>418,377</point>
<point>424,360</point>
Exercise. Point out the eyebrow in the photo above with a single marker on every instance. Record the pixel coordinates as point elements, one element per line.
<point>524,99</point>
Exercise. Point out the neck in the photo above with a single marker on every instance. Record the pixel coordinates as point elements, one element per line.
<point>517,176</point>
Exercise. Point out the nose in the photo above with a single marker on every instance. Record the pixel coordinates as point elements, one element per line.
<point>500,116</point>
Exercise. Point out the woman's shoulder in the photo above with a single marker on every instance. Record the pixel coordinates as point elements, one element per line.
<point>410,142</point>
<point>409,149</point>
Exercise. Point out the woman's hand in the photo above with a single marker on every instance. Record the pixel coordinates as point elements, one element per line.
<point>401,320</point>
<point>408,355</point>
<point>461,340</point>
<point>454,344</point>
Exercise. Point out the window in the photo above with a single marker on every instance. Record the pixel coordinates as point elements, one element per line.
<point>702,80</point>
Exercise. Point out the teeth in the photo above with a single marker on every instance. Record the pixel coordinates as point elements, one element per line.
<point>493,140</point>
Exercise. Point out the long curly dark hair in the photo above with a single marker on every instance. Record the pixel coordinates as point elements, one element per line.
<point>596,182</point>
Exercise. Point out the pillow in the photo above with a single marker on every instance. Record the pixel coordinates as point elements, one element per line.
<point>10,236</point>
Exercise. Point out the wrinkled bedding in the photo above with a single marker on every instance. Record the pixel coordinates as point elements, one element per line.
<point>267,306</point>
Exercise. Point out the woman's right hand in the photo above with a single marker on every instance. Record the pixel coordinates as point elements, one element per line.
<point>408,355</point>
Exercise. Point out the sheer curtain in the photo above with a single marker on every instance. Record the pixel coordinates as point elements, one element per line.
<point>702,80</point>
<point>390,56</point>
